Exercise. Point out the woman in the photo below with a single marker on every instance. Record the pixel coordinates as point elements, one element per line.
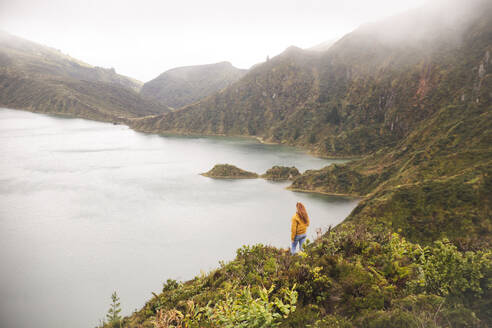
<point>300,222</point>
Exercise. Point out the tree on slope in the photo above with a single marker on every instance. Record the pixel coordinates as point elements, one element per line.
<point>113,316</point>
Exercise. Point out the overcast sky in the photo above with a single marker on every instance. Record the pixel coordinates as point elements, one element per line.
<point>143,38</point>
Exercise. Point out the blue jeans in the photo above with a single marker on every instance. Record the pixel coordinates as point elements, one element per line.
<point>298,239</point>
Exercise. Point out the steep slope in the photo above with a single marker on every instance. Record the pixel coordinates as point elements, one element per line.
<point>355,277</point>
<point>436,182</point>
<point>37,60</point>
<point>41,79</point>
<point>369,90</point>
<point>417,98</point>
<point>182,86</point>
<point>266,94</point>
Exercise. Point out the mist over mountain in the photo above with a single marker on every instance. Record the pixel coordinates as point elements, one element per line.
<point>370,89</point>
<point>323,46</point>
<point>407,98</point>
<point>185,85</point>
<point>411,97</point>
<point>374,92</point>
<point>42,79</point>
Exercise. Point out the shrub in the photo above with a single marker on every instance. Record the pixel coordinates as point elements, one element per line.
<point>241,309</point>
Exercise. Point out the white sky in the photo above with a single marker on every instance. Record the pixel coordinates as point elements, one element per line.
<point>143,38</point>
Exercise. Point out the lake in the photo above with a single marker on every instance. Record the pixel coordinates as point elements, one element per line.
<point>88,208</point>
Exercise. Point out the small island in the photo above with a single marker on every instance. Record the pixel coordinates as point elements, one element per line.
<point>227,171</point>
<point>279,173</point>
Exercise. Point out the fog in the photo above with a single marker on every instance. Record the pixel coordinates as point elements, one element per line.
<point>143,38</point>
<point>438,22</point>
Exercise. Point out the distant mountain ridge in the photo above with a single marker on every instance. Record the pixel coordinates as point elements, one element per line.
<point>185,85</point>
<point>414,101</point>
<point>410,98</point>
<point>42,79</point>
<point>370,89</point>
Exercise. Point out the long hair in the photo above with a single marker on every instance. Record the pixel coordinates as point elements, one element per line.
<point>301,211</point>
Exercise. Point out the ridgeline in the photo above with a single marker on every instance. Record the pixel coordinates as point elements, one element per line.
<point>409,97</point>
<point>43,80</point>
<point>183,86</point>
<point>412,99</point>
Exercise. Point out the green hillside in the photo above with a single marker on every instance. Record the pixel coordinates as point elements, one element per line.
<point>411,97</point>
<point>356,276</point>
<point>414,101</point>
<point>182,86</point>
<point>434,184</point>
<point>369,90</point>
<point>41,79</point>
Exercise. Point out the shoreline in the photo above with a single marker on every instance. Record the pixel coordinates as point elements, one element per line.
<point>126,122</point>
<point>261,140</point>
<point>354,196</point>
<point>175,133</point>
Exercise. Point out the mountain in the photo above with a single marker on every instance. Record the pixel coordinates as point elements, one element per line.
<point>182,86</point>
<point>433,181</point>
<point>410,94</point>
<point>42,79</point>
<point>369,90</point>
<point>411,98</point>
<point>434,184</point>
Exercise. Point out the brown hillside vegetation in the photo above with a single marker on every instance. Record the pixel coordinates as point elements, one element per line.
<point>412,97</point>
<point>415,99</point>
<point>41,79</point>
<point>369,90</point>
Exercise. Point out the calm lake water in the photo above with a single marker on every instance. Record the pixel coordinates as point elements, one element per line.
<point>87,208</point>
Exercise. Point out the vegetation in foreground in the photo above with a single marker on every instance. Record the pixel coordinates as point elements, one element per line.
<point>351,276</point>
<point>416,251</point>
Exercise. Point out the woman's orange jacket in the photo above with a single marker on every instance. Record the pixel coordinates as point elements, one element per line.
<point>298,226</point>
